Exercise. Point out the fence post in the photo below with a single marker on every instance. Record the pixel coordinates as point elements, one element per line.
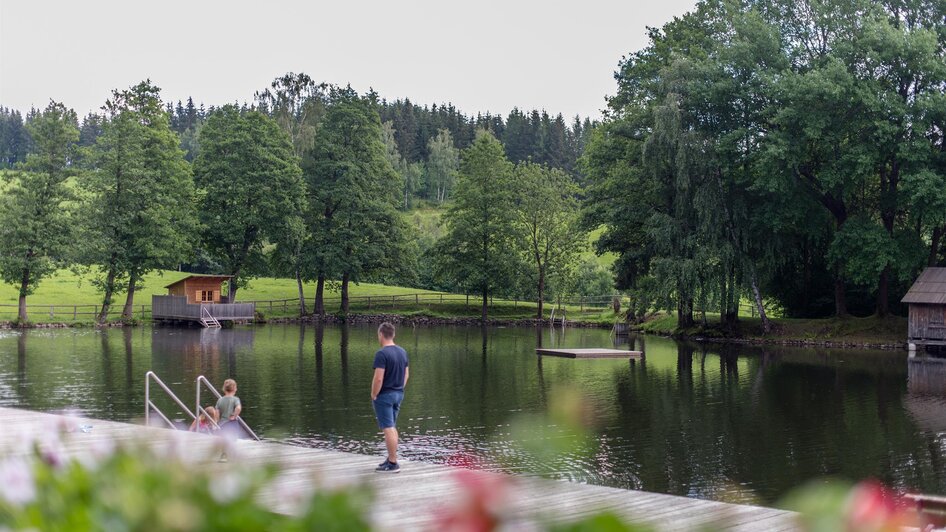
<point>369,302</point>
<point>52,311</point>
<point>416,299</point>
<point>581,303</point>
<point>75,311</point>
<point>270,305</point>
<point>441,298</point>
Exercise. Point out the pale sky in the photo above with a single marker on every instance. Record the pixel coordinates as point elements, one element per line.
<point>481,55</point>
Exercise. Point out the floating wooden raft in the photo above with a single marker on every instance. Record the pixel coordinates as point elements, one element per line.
<point>589,353</point>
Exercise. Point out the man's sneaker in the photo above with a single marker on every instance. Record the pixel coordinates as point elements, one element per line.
<point>388,467</point>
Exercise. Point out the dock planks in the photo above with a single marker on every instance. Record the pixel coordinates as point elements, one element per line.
<point>421,489</point>
<point>589,353</point>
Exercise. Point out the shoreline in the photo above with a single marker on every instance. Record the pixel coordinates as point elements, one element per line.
<point>467,321</point>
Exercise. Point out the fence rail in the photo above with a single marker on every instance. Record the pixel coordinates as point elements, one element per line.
<point>418,300</point>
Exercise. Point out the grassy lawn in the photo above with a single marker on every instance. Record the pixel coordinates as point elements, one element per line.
<point>59,293</point>
<point>870,329</point>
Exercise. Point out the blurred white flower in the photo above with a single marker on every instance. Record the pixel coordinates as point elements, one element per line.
<point>16,481</point>
<point>227,487</point>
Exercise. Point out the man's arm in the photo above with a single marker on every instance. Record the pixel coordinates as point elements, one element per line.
<point>407,375</point>
<point>376,383</point>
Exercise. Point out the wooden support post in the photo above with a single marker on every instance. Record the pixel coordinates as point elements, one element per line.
<point>369,302</point>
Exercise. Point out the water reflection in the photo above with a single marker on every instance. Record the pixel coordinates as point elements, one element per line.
<point>732,423</point>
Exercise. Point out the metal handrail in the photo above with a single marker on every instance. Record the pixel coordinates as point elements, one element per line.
<point>203,380</point>
<point>149,405</point>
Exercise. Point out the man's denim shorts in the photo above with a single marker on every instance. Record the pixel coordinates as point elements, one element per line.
<point>386,407</point>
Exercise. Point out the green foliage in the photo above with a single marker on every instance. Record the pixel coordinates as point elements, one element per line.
<point>136,488</point>
<point>139,195</point>
<point>479,251</point>
<point>774,148</point>
<point>35,217</point>
<point>547,214</point>
<point>250,186</point>
<point>442,164</point>
<point>353,196</point>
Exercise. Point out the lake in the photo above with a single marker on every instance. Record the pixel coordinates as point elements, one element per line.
<point>731,423</point>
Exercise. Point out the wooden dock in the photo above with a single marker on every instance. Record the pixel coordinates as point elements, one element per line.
<point>420,489</point>
<point>589,353</point>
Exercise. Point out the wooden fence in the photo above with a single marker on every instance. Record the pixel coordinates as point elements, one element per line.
<point>427,300</point>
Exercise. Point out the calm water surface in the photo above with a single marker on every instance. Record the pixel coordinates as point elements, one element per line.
<point>726,423</point>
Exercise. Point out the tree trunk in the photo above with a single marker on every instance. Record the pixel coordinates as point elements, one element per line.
<point>485,305</point>
<point>232,289</point>
<point>685,313</point>
<point>757,296</point>
<point>934,246</point>
<point>344,293</point>
<point>302,310</point>
<point>24,288</point>
<point>319,304</point>
<point>539,303</point>
<point>840,301</point>
<point>107,296</point>
<point>128,313</point>
<point>883,288</point>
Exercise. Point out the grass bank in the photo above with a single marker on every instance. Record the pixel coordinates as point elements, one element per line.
<point>70,298</point>
<point>851,331</point>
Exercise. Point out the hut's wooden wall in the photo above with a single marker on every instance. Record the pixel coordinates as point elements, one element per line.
<point>927,322</point>
<point>192,288</point>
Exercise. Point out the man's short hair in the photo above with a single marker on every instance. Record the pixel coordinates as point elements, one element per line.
<point>386,330</point>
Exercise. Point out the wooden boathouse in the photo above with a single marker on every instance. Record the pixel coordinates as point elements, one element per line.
<point>927,301</point>
<point>199,299</point>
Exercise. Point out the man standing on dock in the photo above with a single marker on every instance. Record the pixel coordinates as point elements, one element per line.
<point>387,391</point>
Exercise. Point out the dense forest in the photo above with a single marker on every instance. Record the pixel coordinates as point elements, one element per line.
<point>309,181</point>
<point>778,149</point>
<point>784,152</point>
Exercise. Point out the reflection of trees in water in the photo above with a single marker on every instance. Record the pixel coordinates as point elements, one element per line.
<point>22,385</point>
<point>183,353</point>
<point>791,421</point>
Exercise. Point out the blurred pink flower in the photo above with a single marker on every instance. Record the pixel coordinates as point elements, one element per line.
<point>16,481</point>
<point>872,507</point>
<point>480,505</point>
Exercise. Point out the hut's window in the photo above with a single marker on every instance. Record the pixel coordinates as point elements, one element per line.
<point>206,295</point>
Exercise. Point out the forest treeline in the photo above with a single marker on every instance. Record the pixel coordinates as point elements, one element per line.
<point>786,152</point>
<point>776,149</point>
<point>307,182</point>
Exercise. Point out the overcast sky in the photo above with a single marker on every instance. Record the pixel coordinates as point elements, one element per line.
<point>481,55</point>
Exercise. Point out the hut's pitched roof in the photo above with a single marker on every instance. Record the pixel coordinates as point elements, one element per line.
<point>220,278</point>
<point>930,287</point>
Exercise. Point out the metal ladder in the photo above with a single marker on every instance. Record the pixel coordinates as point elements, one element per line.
<point>207,319</point>
<point>193,415</point>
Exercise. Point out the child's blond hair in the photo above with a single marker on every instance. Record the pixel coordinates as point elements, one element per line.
<point>229,385</point>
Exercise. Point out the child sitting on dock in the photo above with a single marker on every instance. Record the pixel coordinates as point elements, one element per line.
<point>228,406</point>
<point>203,423</point>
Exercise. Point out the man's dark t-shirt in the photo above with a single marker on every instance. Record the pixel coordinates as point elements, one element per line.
<point>393,360</point>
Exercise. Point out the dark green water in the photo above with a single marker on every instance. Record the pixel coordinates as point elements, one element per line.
<point>725,423</point>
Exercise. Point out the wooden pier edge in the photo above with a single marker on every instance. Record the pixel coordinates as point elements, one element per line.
<point>588,353</point>
<point>421,490</point>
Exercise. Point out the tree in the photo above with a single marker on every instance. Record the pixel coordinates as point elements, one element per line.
<point>353,196</point>
<point>140,195</point>
<point>479,250</point>
<point>441,166</point>
<point>548,215</point>
<point>250,183</point>
<point>297,104</point>
<point>35,222</point>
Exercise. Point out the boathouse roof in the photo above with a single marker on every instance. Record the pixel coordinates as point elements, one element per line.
<point>929,288</point>
<point>220,278</point>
